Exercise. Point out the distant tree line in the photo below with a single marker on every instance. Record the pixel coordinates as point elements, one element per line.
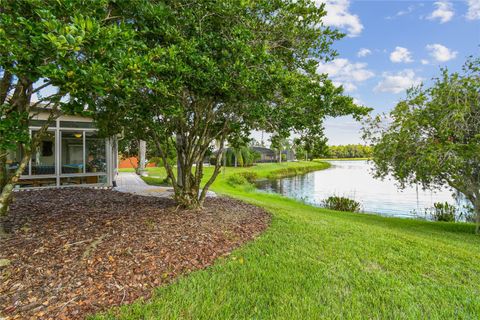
<point>348,151</point>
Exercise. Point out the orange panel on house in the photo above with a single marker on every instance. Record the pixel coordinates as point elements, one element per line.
<point>131,163</point>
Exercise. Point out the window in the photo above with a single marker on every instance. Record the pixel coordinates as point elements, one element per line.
<point>70,155</point>
<point>72,152</point>
<point>76,124</point>
<point>14,157</point>
<point>40,123</point>
<point>43,158</point>
<point>95,158</point>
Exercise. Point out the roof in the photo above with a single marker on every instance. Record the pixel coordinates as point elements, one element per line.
<point>263,150</point>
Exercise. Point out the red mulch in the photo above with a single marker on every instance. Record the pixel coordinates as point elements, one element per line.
<point>76,252</point>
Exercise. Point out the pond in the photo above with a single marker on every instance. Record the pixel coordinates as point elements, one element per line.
<point>354,179</point>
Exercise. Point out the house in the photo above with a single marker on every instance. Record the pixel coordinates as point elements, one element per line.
<point>132,162</point>
<point>288,155</point>
<point>70,154</point>
<point>266,154</point>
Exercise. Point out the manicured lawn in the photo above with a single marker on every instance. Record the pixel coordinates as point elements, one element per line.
<point>315,264</point>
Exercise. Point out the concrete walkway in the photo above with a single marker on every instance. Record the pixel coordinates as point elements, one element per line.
<point>130,182</point>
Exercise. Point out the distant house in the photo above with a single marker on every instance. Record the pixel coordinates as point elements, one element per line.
<point>269,155</point>
<point>266,154</point>
<point>132,162</point>
<point>70,154</point>
<point>289,155</point>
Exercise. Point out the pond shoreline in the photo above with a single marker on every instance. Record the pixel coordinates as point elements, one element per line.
<point>353,179</point>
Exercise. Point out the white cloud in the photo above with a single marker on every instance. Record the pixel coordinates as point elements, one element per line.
<point>441,53</point>
<point>401,54</point>
<point>397,82</point>
<point>405,12</point>
<point>408,11</point>
<point>343,72</point>
<point>444,11</point>
<point>363,52</point>
<point>348,86</point>
<point>338,15</point>
<point>473,12</point>
<point>425,61</point>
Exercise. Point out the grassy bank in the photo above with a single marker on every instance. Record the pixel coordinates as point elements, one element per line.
<point>156,176</point>
<point>314,263</point>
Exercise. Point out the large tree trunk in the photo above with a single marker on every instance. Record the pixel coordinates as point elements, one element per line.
<point>142,151</point>
<point>187,182</point>
<point>180,157</point>
<point>192,136</point>
<point>476,207</point>
<point>7,190</point>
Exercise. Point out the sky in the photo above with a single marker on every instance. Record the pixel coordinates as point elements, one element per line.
<point>393,45</point>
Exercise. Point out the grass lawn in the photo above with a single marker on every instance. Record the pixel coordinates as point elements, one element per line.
<point>314,263</point>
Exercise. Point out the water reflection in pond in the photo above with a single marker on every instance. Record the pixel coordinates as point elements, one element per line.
<point>353,179</point>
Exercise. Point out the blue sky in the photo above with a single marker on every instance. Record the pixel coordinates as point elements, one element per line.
<point>392,45</point>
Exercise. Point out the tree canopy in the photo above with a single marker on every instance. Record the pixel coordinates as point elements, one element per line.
<point>57,55</point>
<point>432,137</point>
<point>348,151</point>
<point>213,71</point>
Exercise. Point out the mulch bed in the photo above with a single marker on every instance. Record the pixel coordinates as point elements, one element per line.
<point>76,252</point>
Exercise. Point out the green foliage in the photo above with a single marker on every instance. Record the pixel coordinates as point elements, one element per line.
<point>229,158</point>
<point>250,176</point>
<point>244,156</point>
<point>289,171</point>
<point>13,128</point>
<point>433,136</point>
<point>442,212</point>
<point>237,179</point>
<point>159,161</point>
<point>312,145</point>
<point>349,151</point>
<point>247,156</point>
<point>66,54</point>
<point>213,71</point>
<point>341,204</point>
<point>255,156</point>
<point>156,181</point>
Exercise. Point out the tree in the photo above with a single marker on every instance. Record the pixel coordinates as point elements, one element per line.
<point>55,55</point>
<point>215,70</point>
<point>279,144</point>
<point>311,145</point>
<point>348,151</point>
<point>433,137</point>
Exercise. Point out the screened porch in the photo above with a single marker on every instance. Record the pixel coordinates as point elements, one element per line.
<point>71,153</point>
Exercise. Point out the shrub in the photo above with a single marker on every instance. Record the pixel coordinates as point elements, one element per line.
<point>159,161</point>
<point>240,160</point>
<point>256,156</point>
<point>244,157</point>
<point>341,204</point>
<point>468,214</point>
<point>251,177</point>
<point>237,180</point>
<point>443,211</point>
<point>247,156</point>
